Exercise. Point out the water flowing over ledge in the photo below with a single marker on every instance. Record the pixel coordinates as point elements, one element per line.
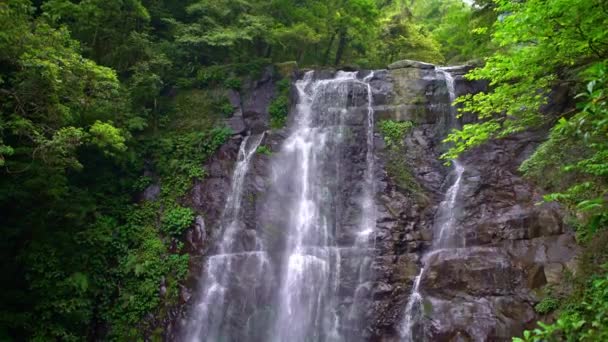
<point>328,245</point>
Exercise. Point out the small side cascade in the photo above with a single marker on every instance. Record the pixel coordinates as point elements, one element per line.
<point>446,234</point>
<point>207,318</point>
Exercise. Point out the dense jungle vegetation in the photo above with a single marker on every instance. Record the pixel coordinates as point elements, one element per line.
<point>99,99</point>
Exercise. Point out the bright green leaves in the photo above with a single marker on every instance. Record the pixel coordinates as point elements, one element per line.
<point>583,320</point>
<point>586,168</point>
<point>55,96</point>
<point>469,136</point>
<point>538,39</point>
<point>394,132</point>
<point>107,137</point>
<point>176,220</point>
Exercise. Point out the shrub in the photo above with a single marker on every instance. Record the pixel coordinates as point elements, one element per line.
<point>394,131</point>
<point>176,220</point>
<point>232,83</point>
<point>547,305</point>
<point>278,110</point>
<point>142,183</point>
<point>279,107</point>
<point>212,75</point>
<point>265,150</point>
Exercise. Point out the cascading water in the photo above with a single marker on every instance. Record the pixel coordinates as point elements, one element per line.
<point>214,307</point>
<point>446,235</point>
<point>307,278</point>
<point>328,224</point>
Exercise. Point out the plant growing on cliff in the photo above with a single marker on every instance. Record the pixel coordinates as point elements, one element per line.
<point>394,132</point>
<point>176,220</point>
<point>279,107</point>
<point>265,150</point>
<point>543,45</point>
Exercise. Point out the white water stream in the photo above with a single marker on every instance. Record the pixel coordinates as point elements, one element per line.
<point>310,305</point>
<point>208,315</point>
<point>446,234</point>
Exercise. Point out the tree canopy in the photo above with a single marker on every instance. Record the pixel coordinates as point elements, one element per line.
<point>96,103</point>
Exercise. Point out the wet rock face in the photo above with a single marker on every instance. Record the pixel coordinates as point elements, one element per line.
<point>208,196</point>
<point>487,290</point>
<point>484,292</point>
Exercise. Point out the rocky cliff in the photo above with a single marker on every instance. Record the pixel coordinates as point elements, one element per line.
<point>482,292</point>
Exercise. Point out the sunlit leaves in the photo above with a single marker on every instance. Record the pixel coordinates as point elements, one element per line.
<point>539,39</point>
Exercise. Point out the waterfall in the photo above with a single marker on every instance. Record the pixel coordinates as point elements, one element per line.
<point>446,234</point>
<point>208,317</point>
<point>328,211</point>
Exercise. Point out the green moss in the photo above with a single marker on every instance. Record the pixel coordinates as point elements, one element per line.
<point>401,174</point>
<point>265,150</point>
<point>394,133</point>
<point>427,307</point>
<point>287,69</point>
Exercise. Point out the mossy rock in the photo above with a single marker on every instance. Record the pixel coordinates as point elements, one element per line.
<point>287,69</point>
<point>198,109</point>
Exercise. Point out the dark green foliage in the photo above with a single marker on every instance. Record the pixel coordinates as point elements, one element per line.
<point>142,183</point>
<point>94,93</point>
<point>212,75</point>
<point>224,106</point>
<point>232,83</point>
<point>545,44</point>
<point>279,107</point>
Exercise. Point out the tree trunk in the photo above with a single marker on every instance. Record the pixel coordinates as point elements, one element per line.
<point>341,46</point>
<point>327,52</point>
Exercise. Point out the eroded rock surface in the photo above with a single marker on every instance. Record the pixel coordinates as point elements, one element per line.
<point>483,292</point>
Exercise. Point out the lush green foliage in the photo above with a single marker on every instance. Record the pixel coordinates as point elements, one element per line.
<point>102,100</point>
<point>176,220</point>
<point>579,178</point>
<point>265,150</point>
<point>584,320</point>
<point>75,139</point>
<point>462,32</point>
<point>543,45</point>
<point>394,132</point>
<point>279,107</point>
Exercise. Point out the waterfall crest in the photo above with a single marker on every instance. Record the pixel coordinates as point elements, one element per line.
<point>328,226</point>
